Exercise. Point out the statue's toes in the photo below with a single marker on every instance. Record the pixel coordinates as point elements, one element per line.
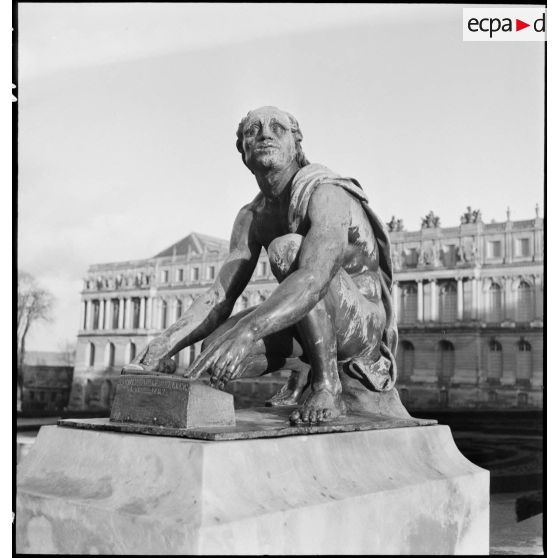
<point>327,414</point>
<point>295,417</point>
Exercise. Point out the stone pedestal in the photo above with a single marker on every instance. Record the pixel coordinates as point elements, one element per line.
<point>396,491</point>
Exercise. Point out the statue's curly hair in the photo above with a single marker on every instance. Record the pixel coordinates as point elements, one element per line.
<point>295,129</point>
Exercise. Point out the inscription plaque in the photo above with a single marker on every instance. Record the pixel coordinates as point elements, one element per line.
<point>160,400</point>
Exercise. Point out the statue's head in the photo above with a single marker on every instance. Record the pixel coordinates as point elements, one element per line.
<point>269,138</point>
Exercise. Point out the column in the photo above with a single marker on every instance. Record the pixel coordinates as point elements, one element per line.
<point>395,299</point>
<point>82,315</point>
<point>89,315</point>
<point>142,313</point>
<point>121,313</point>
<point>475,309</point>
<point>101,313</point>
<point>433,300</point>
<point>420,301</point>
<point>460,298</point>
<point>128,317</point>
<point>108,313</point>
<point>148,312</point>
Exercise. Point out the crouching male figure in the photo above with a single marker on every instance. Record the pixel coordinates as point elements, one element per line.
<point>330,254</point>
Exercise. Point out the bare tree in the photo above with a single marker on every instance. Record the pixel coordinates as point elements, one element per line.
<point>33,304</point>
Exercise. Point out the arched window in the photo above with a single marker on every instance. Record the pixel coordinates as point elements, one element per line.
<point>495,361</point>
<point>131,351</point>
<point>178,308</point>
<point>244,303</point>
<point>405,359</point>
<point>445,359</point>
<point>163,314</point>
<point>522,399</point>
<point>525,306</point>
<point>448,302</point>
<point>105,396</point>
<point>110,351</point>
<point>524,361</point>
<point>408,303</point>
<point>91,354</point>
<point>192,354</point>
<point>494,303</point>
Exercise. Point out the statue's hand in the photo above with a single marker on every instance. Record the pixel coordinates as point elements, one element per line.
<point>224,359</point>
<point>153,358</point>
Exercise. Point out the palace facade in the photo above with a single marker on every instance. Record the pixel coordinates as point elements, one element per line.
<point>469,301</point>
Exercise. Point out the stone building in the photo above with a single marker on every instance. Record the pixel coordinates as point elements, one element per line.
<point>469,301</point>
<point>47,380</point>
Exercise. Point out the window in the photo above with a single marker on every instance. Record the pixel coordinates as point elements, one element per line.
<point>495,361</point>
<point>449,255</point>
<point>165,276</point>
<point>105,393</point>
<point>525,310</point>
<point>115,311</point>
<point>495,249</point>
<point>96,309</point>
<point>180,275</point>
<point>131,351</point>
<point>445,361</point>
<point>110,354</point>
<point>524,366</point>
<point>494,303</point>
<point>523,247</point>
<point>192,355</point>
<point>408,303</point>
<point>195,274</point>
<point>405,359</point>
<point>163,314</point>
<point>411,257</point>
<point>522,399</point>
<point>262,269</point>
<point>135,313</point>
<point>211,272</point>
<point>91,354</point>
<point>448,302</point>
<point>178,308</point>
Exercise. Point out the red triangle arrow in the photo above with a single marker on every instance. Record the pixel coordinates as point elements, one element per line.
<point>519,25</point>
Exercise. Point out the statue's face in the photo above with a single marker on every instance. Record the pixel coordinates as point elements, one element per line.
<point>268,142</point>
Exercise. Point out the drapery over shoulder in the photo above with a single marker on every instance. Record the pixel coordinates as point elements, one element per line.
<point>304,183</point>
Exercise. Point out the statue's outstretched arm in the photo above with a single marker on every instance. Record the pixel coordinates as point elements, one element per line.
<point>213,307</point>
<point>321,257</point>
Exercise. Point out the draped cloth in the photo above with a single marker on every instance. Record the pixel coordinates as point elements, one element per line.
<point>382,374</point>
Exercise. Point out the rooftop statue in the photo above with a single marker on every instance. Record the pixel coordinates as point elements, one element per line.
<point>331,312</point>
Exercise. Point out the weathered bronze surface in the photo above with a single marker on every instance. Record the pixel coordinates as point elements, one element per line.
<point>331,315</point>
<point>169,401</point>
<point>259,422</point>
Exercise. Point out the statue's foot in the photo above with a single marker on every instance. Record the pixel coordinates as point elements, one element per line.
<point>291,392</point>
<point>321,406</point>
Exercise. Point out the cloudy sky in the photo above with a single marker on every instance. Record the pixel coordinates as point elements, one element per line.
<point>128,113</point>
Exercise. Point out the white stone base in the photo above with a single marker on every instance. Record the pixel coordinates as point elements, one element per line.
<point>397,491</point>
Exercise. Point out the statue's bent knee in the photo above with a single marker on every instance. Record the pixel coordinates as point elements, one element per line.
<point>283,254</point>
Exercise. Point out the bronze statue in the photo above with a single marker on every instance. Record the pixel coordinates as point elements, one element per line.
<point>332,308</point>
